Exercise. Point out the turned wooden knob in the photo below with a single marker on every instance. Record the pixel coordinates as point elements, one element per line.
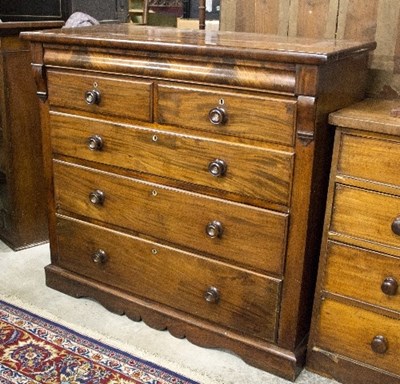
<point>217,168</point>
<point>96,197</point>
<point>390,286</point>
<point>217,116</point>
<point>212,295</point>
<point>92,97</point>
<point>379,344</point>
<point>214,229</point>
<point>99,257</point>
<point>396,225</point>
<point>95,143</point>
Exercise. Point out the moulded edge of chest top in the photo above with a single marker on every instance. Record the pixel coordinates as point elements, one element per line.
<point>272,77</point>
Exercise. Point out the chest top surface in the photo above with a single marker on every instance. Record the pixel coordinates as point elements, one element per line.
<point>209,43</point>
<point>15,27</point>
<point>373,115</point>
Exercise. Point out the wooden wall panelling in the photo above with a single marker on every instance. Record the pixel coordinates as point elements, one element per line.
<point>397,47</point>
<point>267,16</point>
<point>377,20</point>
<point>385,80</point>
<point>245,15</point>
<point>228,15</point>
<point>313,18</point>
<point>356,20</point>
<point>261,16</point>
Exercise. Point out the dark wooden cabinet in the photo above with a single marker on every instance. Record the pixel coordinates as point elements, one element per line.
<point>102,10</point>
<point>356,323</point>
<point>23,220</point>
<point>187,173</point>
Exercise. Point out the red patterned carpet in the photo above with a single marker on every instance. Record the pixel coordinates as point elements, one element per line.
<point>36,350</point>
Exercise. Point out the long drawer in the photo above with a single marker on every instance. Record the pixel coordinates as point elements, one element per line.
<point>101,94</point>
<point>240,169</point>
<point>249,116</point>
<point>368,276</point>
<point>365,215</point>
<point>361,335</point>
<point>231,297</point>
<point>246,235</point>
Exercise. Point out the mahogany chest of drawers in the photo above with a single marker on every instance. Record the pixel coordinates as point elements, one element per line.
<point>355,334</point>
<point>187,173</point>
<point>23,220</point>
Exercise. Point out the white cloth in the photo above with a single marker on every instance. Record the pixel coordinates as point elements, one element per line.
<point>80,19</point>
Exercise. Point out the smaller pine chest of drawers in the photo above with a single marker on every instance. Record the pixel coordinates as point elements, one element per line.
<point>187,173</point>
<point>355,335</point>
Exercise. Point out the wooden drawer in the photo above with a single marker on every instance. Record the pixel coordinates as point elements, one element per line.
<point>249,116</point>
<point>360,274</point>
<point>251,236</point>
<point>250,171</point>
<point>119,96</point>
<point>245,302</point>
<point>365,215</point>
<point>349,331</point>
<point>359,154</point>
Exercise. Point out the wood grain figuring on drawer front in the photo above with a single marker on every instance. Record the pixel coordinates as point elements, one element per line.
<point>359,273</point>
<point>119,96</point>
<point>247,302</point>
<point>251,236</point>
<point>366,157</point>
<point>349,331</point>
<point>249,116</point>
<point>366,215</point>
<point>251,171</point>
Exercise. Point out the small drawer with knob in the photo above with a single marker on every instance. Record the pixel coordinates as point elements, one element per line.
<point>356,333</point>
<point>359,154</point>
<point>367,217</point>
<point>364,275</point>
<point>207,289</point>
<point>244,170</point>
<point>99,94</point>
<point>245,115</point>
<point>220,228</point>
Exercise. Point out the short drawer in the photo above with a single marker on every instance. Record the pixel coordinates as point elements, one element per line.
<point>243,234</point>
<point>367,276</point>
<point>248,116</point>
<point>102,95</point>
<point>359,158</point>
<point>356,333</point>
<point>365,215</point>
<point>240,169</point>
<point>206,289</point>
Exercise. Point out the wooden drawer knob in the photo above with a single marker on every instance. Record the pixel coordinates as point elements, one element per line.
<point>99,257</point>
<point>97,197</point>
<point>217,168</point>
<point>217,116</point>
<point>379,344</point>
<point>92,97</point>
<point>212,295</point>
<point>390,286</point>
<point>396,225</point>
<point>95,143</point>
<point>214,229</point>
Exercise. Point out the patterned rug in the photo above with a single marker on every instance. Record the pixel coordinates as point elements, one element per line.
<point>36,350</point>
